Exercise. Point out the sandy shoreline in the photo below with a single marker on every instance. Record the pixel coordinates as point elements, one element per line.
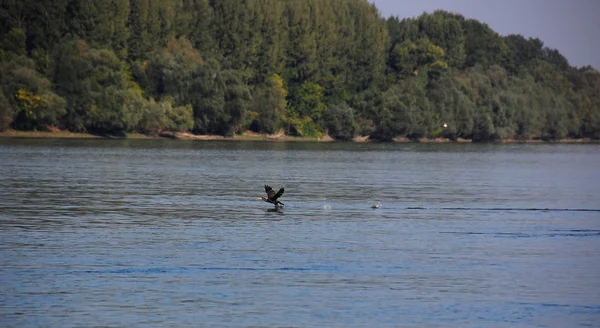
<point>249,136</point>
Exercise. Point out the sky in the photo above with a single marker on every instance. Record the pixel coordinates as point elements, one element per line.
<point>570,26</point>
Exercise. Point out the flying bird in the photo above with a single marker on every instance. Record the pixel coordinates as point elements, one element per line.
<point>272,196</point>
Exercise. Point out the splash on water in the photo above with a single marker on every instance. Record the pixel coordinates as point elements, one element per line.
<point>376,205</point>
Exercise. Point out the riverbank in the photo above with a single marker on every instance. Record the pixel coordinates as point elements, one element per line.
<point>251,136</point>
<point>247,136</point>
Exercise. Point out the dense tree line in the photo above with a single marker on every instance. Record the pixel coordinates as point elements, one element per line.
<point>308,67</point>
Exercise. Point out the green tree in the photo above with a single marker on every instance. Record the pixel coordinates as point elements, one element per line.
<point>447,31</point>
<point>101,96</point>
<point>172,72</point>
<point>29,100</point>
<point>339,121</point>
<point>118,64</point>
<point>13,45</point>
<point>521,52</point>
<point>157,117</point>
<point>483,46</point>
<point>6,111</point>
<point>412,59</point>
<point>269,104</point>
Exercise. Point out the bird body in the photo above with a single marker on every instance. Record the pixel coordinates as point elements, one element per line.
<point>272,196</point>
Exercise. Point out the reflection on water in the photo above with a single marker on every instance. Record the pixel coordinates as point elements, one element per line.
<point>170,233</point>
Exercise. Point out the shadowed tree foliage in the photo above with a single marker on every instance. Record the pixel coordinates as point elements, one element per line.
<point>26,99</point>
<point>6,111</point>
<point>339,121</point>
<point>269,106</point>
<point>304,67</point>
<point>100,96</point>
<point>157,117</point>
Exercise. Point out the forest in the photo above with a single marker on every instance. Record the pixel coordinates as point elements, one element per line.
<point>306,68</point>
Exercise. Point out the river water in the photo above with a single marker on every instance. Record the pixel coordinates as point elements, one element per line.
<point>163,233</point>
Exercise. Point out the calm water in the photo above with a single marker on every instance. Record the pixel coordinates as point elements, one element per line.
<point>171,234</point>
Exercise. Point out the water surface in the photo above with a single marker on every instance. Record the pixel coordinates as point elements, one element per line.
<point>171,234</point>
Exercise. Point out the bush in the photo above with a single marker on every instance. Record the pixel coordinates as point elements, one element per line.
<point>339,121</point>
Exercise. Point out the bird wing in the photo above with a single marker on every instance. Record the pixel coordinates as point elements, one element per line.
<point>270,192</point>
<point>278,194</point>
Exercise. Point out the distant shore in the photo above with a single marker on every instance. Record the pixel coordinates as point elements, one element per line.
<point>164,135</point>
<point>250,136</point>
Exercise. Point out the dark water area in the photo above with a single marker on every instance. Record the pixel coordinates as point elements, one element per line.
<point>162,233</point>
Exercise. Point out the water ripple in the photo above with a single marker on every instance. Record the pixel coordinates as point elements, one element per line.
<point>163,233</point>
